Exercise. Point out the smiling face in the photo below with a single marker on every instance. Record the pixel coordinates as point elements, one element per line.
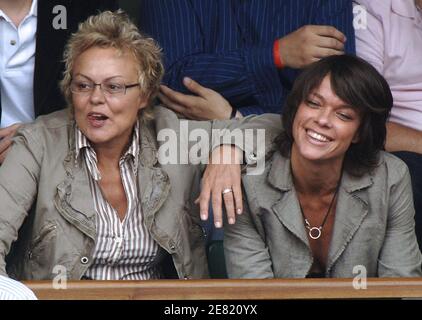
<point>106,120</point>
<point>324,127</point>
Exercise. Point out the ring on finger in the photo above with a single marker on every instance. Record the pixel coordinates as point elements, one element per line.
<point>227,190</point>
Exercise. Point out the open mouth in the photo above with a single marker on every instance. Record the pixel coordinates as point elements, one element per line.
<point>318,136</point>
<point>97,116</point>
<point>97,119</point>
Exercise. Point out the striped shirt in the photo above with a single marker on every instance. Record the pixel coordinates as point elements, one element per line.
<point>227,45</point>
<point>124,250</point>
<point>14,290</point>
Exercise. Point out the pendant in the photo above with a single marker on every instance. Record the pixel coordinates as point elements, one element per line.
<point>314,232</point>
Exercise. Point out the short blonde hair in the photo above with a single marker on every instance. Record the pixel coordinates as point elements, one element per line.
<point>115,30</point>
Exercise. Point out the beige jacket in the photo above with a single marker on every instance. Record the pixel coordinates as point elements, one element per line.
<point>45,201</point>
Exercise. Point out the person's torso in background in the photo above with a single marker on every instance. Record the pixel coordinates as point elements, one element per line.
<point>17,60</point>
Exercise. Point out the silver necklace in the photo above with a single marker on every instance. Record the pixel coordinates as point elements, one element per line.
<point>315,232</point>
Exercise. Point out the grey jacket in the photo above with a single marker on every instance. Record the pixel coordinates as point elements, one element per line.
<point>41,172</point>
<point>374,226</point>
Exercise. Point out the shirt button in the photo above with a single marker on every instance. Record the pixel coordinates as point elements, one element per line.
<point>252,156</point>
<point>12,42</point>
<point>172,246</point>
<point>84,260</point>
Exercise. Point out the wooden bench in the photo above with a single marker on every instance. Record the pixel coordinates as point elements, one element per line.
<point>230,289</point>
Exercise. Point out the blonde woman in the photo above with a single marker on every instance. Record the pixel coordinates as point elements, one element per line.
<point>103,207</point>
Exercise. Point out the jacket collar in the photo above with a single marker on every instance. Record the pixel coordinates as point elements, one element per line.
<point>148,154</point>
<point>147,141</point>
<point>280,176</point>
<point>82,145</point>
<point>74,200</point>
<point>352,206</point>
<point>287,207</point>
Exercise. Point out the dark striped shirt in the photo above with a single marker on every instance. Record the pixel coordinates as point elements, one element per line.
<point>227,45</point>
<point>124,250</point>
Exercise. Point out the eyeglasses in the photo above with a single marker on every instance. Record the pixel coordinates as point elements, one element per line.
<point>113,87</point>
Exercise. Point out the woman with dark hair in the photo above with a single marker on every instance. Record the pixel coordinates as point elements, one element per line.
<point>330,200</point>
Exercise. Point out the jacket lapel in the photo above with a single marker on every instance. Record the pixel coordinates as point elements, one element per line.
<point>153,182</point>
<point>287,208</point>
<point>73,199</point>
<point>288,212</point>
<point>352,208</point>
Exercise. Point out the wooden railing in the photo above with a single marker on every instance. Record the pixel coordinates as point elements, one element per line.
<point>230,289</point>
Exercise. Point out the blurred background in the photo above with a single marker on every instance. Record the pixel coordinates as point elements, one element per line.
<point>131,7</point>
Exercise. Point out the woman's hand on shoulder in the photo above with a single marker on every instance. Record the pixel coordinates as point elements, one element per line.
<point>221,182</point>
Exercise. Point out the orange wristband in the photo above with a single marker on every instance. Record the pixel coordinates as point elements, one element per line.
<point>276,54</point>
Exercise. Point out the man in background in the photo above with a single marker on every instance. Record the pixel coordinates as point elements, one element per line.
<point>32,37</point>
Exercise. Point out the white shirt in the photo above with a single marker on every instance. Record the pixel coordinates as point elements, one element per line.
<point>124,250</point>
<point>14,290</point>
<point>17,61</point>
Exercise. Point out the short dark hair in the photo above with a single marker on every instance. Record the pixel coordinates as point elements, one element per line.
<point>358,84</point>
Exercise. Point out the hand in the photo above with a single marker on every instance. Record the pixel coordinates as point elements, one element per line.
<point>6,135</point>
<point>222,174</point>
<point>206,105</point>
<point>309,44</point>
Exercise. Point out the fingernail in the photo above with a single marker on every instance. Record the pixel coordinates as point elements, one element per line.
<point>204,217</point>
<point>187,80</point>
<point>231,221</point>
<point>239,211</point>
<point>218,224</point>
